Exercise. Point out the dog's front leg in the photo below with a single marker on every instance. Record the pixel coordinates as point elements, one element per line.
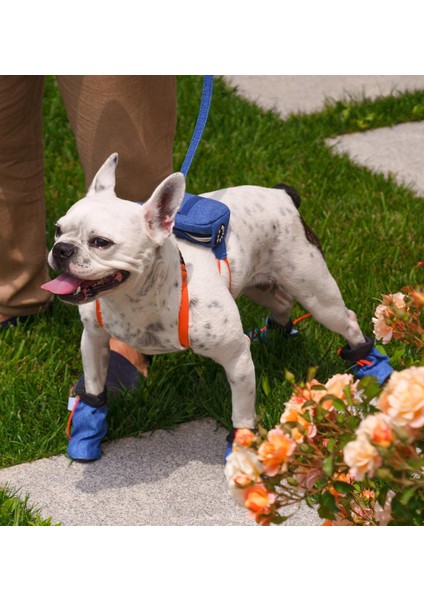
<point>95,359</point>
<point>240,373</point>
<point>234,355</point>
<point>89,424</point>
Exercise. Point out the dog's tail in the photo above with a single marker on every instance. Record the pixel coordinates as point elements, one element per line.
<point>290,191</point>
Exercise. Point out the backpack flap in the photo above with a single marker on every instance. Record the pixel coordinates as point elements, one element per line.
<point>203,221</point>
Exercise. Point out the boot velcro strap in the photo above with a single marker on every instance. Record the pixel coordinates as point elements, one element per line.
<point>359,352</point>
<point>97,401</point>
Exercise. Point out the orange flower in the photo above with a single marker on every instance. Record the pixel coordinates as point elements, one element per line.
<point>368,494</point>
<point>258,500</point>
<point>418,298</point>
<point>244,437</point>
<point>293,414</point>
<point>274,451</point>
<point>377,428</point>
<point>306,393</point>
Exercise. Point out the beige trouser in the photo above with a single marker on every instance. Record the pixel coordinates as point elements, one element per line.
<point>132,115</point>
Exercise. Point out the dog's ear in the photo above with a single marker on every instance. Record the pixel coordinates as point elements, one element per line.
<point>161,208</point>
<point>104,180</point>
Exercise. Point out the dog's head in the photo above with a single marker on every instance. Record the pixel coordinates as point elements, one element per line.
<point>104,242</point>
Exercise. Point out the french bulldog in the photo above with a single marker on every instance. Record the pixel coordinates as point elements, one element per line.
<point>121,258</point>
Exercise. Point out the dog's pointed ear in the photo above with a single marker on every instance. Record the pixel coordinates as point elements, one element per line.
<point>105,180</point>
<point>161,208</point>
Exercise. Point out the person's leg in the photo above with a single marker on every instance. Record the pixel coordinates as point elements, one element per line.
<point>132,115</point>
<point>22,208</point>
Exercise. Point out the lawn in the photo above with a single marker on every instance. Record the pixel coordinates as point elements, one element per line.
<point>371,230</point>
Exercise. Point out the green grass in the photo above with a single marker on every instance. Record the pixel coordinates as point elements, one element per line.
<point>17,512</point>
<point>370,227</point>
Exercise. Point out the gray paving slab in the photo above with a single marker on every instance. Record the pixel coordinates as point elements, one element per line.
<point>397,150</point>
<point>164,478</point>
<point>308,93</point>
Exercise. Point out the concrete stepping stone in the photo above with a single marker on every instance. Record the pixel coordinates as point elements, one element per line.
<point>397,150</point>
<point>164,478</point>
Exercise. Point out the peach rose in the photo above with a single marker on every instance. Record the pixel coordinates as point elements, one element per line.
<point>336,385</point>
<point>258,500</point>
<point>402,399</point>
<point>244,437</point>
<point>362,458</point>
<point>275,450</point>
<point>242,467</point>
<point>383,313</point>
<point>377,428</point>
<point>293,414</point>
<point>306,393</point>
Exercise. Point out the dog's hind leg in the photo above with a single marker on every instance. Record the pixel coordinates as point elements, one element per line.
<point>274,298</point>
<point>312,285</point>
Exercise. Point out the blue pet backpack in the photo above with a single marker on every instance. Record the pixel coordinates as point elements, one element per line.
<point>203,221</point>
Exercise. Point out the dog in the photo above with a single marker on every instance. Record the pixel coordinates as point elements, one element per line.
<point>121,258</point>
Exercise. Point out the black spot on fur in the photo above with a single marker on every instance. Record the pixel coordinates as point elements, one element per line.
<point>290,191</point>
<point>311,236</point>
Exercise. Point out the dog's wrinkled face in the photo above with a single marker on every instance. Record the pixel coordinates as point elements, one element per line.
<point>103,242</point>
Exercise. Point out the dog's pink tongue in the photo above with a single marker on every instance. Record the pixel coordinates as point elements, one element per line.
<point>64,284</point>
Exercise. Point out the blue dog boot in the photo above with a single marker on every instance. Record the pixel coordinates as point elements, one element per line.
<point>230,440</point>
<point>89,426</point>
<point>369,362</point>
<point>376,365</point>
<point>88,429</point>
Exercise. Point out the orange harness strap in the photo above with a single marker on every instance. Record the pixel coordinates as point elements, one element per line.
<point>183,321</point>
<point>229,270</point>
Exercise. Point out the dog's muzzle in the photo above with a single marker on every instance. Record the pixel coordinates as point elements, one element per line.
<point>72,289</point>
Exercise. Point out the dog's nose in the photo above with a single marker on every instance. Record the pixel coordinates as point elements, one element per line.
<point>63,251</point>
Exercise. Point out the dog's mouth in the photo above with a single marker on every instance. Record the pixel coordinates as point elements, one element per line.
<point>79,291</point>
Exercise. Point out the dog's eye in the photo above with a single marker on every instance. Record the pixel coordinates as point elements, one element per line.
<point>100,242</point>
<point>58,231</point>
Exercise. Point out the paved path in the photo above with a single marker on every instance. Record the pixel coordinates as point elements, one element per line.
<point>176,478</point>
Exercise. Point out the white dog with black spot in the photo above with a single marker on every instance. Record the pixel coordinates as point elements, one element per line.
<point>121,259</point>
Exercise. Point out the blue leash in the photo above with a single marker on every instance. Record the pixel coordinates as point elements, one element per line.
<point>205,104</point>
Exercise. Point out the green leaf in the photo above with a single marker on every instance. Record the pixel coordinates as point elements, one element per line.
<point>328,507</point>
<point>265,386</point>
<point>407,495</point>
<point>338,404</point>
<point>289,377</point>
<point>342,487</point>
<point>327,466</point>
<point>331,444</point>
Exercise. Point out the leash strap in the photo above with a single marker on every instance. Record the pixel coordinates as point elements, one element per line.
<point>202,118</point>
